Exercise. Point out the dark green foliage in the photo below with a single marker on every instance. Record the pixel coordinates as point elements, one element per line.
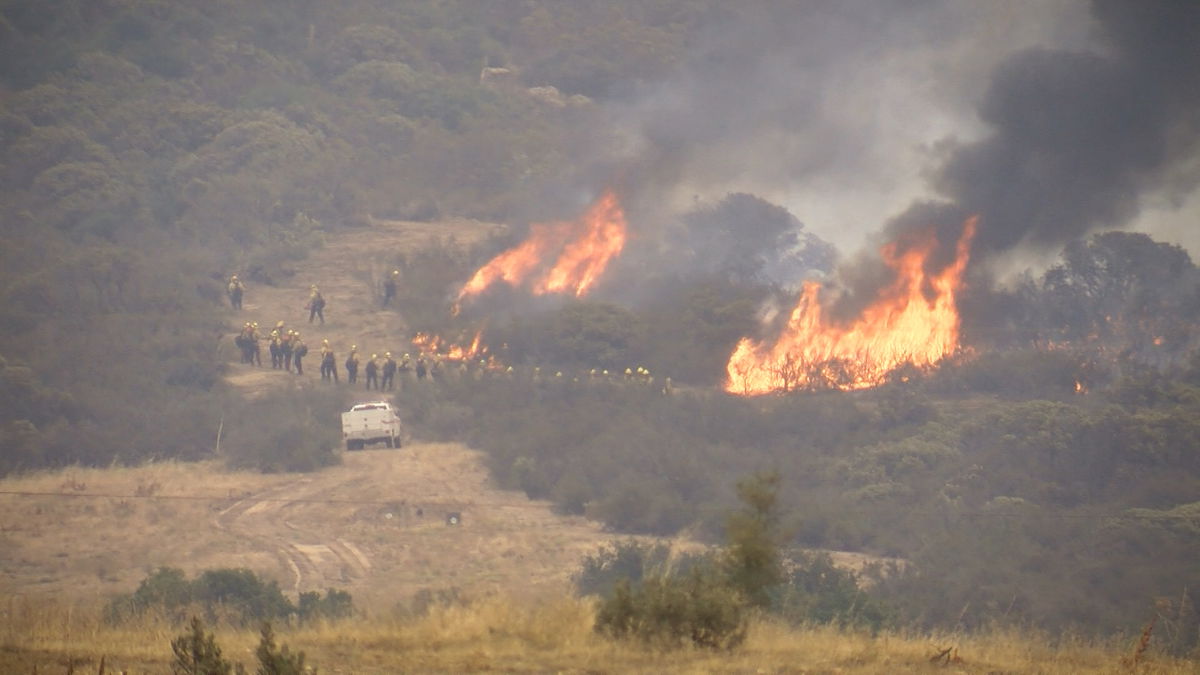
<point>288,431</point>
<point>234,595</point>
<point>241,595</point>
<point>815,590</point>
<point>698,608</point>
<point>632,562</point>
<point>198,654</point>
<point>274,660</point>
<point>753,540</point>
<point>334,604</point>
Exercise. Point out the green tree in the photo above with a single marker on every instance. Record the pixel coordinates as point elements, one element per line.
<point>752,554</point>
<point>197,653</point>
<point>274,660</point>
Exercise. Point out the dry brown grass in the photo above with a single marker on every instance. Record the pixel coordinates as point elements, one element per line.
<point>502,633</point>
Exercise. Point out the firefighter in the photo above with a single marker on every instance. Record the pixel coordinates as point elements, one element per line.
<point>299,351</point>
<point>255,347</point>
<point>435,367</point>
<point>273,347</point>
<point>286,346</point>
<point>389,372</point>
<point>667,390</point>
<point>316,305</point>
<point>421,369</point>
<point>352,365</point>
<point>328,362</point>
<point>389,287</point>
<point>235,290</point>
<point>373,372</point>
<point>405,366</point>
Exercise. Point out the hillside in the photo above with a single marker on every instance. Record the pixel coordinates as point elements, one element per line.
<point>349,270</point>
<point>376,526</point>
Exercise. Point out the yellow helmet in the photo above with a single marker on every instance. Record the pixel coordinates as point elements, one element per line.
<point>388,354</point>
<point>233,278</point>
<point>353,348</point>
<point>374,356</point>
<point>325,341</point>
<point>395,272</point>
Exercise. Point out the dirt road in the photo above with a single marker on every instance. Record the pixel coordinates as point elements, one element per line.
<point>349,271</point>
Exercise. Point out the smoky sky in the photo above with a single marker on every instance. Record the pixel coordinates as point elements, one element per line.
<point>1077,137</point>
<point>866,119</point>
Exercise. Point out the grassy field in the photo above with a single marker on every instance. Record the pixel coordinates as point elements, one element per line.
<point>509,634</point>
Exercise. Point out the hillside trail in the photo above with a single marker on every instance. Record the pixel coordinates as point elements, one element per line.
<point>389,523</point>
<point>349,271</point>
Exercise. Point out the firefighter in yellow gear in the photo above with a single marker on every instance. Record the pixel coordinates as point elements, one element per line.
<point>389,286</point>
<point>389,372</point>
<point>299,351</point>
<point>328,362</point>
<point>372,370</point>
<point>352,365</point>
<point>235,289</point>
<point>316,305</point>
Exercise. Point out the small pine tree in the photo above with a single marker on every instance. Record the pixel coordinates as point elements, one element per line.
<point>278,661</point>
<point>752,557</point>
<point>198,654</point>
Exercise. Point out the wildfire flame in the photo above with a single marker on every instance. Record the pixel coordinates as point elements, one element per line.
<point>426,343</point>
<point>902,325</point>
<point>583,249</point>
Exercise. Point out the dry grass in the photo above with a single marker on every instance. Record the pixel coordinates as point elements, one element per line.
<point>501,633</point>
<point>374,526</point>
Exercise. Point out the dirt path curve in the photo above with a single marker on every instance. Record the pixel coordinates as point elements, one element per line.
<point>349,270</point>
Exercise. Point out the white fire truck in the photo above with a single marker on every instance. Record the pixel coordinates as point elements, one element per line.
<point>373,422</point>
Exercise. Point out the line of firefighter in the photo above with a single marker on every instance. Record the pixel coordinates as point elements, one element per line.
<point>288,350</point>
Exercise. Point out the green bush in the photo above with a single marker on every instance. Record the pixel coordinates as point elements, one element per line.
<point>236,595</point>
<point>197,653</point>
<point>699,608</point>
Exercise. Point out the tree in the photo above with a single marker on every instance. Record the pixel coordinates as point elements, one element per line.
<point>197,653</point>
<point>752,554</point>
<point>278,661</point>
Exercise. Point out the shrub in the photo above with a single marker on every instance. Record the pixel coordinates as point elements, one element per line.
<point>277,661</point>
<point>698,608</point>
<point>334,605</point>
<point>197,653</point>
<point>238,595</point>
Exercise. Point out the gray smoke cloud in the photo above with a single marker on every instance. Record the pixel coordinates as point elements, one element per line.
<point>1078,138</point>
<point>1049,119</point>
<point>830,109</point>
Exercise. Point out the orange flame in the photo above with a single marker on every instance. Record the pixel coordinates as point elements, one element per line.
<point>900,326</point>
<point>583,249</point>
<point>436,345</point>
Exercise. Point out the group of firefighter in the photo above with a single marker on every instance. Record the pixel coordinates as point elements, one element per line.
<point>288,350</point>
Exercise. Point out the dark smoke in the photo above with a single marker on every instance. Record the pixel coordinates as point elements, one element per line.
<point>1077,138</point>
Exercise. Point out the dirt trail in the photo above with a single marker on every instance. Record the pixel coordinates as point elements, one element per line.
<point>349,270</point>
<point>391,522</point>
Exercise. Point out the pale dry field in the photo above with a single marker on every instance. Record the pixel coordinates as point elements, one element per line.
<point>376,526</point>
<point>508,633</point>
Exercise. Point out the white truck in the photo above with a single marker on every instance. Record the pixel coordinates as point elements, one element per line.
<point>374,422</point>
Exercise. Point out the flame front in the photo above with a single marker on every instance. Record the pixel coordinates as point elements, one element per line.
<point>902,325</point>
<point>581,251</point>
<point>435,345</point>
